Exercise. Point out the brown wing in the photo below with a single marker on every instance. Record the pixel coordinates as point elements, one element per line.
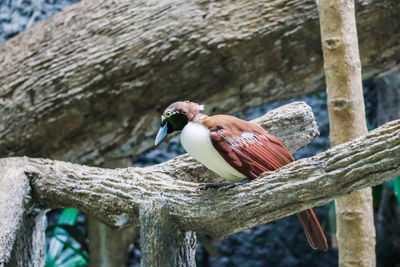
<point>251,150</point>
<point>247,147</point>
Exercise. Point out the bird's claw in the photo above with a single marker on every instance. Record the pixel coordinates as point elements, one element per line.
<point>221,186</point>
<point>206,186</point>
<point>227,186</point>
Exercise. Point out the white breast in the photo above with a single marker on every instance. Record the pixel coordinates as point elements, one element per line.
<point>195,138</point>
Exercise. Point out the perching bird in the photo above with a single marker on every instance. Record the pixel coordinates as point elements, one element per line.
<point>234,149</point>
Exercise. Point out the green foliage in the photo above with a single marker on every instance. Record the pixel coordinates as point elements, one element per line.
<point>369,126</point>
<point>66,245</point>
<point>396,188</point>
<point>332,216</point>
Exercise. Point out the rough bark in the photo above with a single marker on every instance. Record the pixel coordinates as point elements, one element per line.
<point>108,246</point>
<point>22,232</point>
<point>61,80</point>
<point>342,66</point>
<point>295,122</point>
<point>161,243</point>
<point>115,196</point>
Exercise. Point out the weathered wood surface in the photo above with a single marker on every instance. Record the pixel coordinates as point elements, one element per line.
<point>20,215</point>
<point>162,244</point>
<point>118,197</point>
<point>88,84</point>
<point>355,229</point>
<point>22,231</point>
<point>115,196</point>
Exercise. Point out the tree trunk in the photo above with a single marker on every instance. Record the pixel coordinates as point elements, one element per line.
<point>163,244</point>
<point>354,212</point>
<point>60,81</point>
<point>29,249</point>
<point>109,247</point>
<point>22,231</point>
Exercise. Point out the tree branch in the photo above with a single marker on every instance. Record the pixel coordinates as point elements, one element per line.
<point>115,196</point>
<point>61,79</point>
<point>23,230</point>
<point>118,196</point>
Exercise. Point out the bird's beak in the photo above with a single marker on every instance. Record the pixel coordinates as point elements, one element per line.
<point>161,134</point>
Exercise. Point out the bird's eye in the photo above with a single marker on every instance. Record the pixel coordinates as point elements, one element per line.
<point>168,114</point>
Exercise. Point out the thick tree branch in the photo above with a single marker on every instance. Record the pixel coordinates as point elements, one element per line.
<point>115,196</point>
<point>23,229</point>
<point>297,128</point>
<point>60,81</point>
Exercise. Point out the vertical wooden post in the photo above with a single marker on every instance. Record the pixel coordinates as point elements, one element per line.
<point>109,247</point>
<point>354,213</point>
<point>161,243</point>
<point>22,229</point>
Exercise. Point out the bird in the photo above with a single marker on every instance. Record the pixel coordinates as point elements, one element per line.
<point>234,149</point>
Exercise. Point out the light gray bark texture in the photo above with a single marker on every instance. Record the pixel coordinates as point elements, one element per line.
<point>293,123</point>
<point>120,197</point>
<point>115,196</point>
<point>22,223</point>
<point>80,78</point>
<point>108,246</point>
<point>161,243</point>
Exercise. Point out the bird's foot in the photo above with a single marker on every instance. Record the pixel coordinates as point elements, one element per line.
<point>206,186</point>
<point>222,186</point>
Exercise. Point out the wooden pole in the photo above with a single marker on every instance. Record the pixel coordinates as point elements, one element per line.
<point>354,212</point>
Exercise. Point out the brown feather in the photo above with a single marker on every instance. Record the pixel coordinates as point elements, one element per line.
<point>251,150</point>
<point>312,229</point>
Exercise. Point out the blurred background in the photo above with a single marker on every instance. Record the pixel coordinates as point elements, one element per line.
<point>279,243</point>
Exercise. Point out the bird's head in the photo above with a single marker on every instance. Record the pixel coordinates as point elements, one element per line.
<point>176,116</point>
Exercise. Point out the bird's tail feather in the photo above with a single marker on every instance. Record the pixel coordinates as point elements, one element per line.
<point>313,230</point>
